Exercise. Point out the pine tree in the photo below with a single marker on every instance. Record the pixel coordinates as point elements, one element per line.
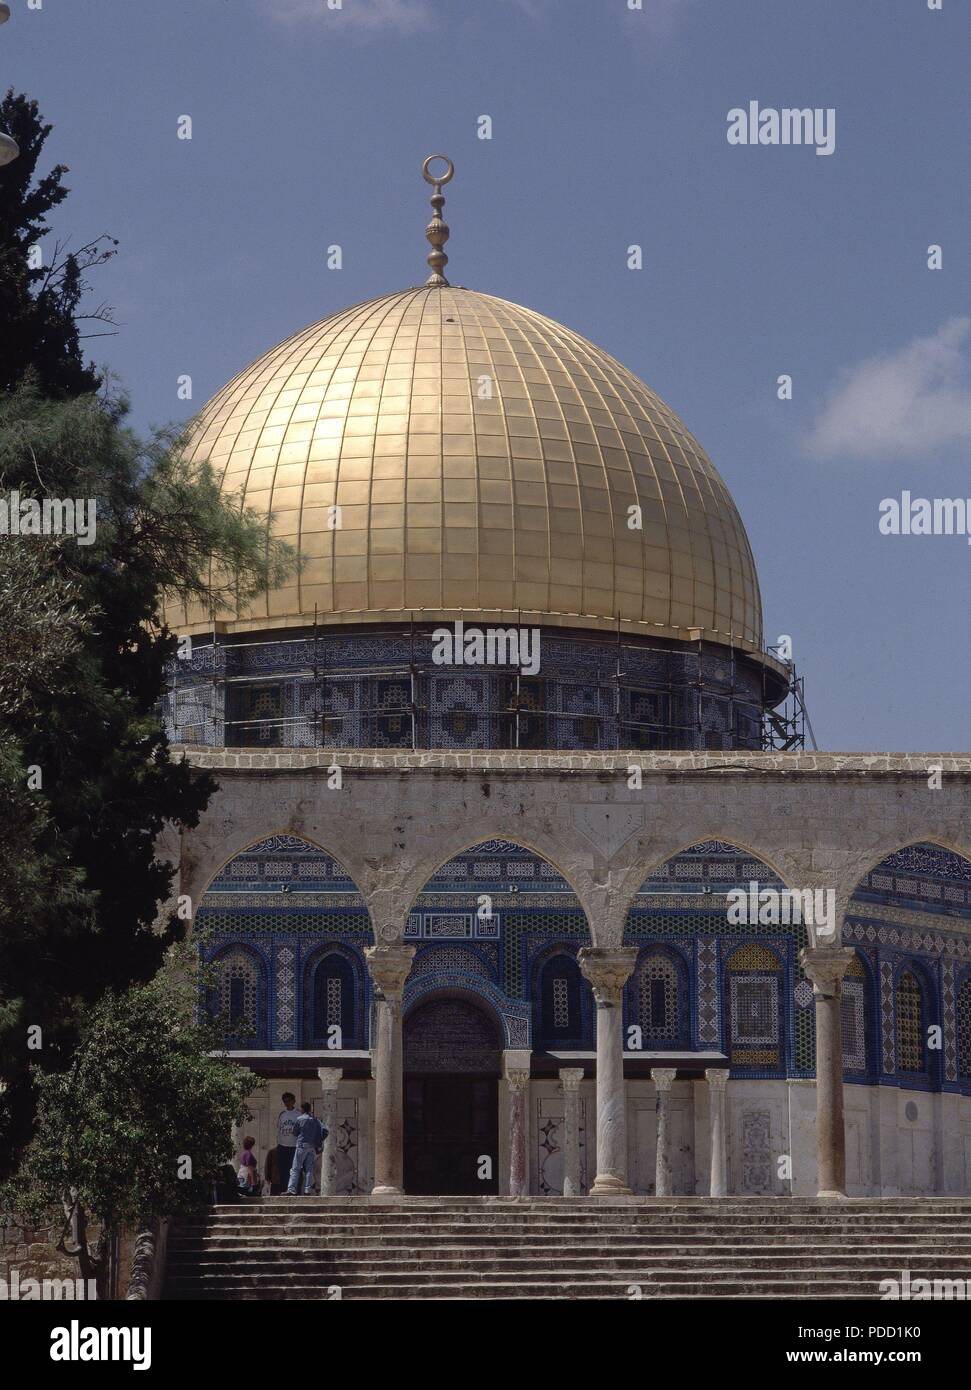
<point>87,782</point>
<point>40,302</point>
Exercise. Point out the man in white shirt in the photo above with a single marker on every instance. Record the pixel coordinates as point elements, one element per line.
<point>286,1139</point>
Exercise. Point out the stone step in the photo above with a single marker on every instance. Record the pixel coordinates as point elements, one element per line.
<point>791,1287</point>
<point>186,1255</point>
<point>324,1219</point>
<point>495,1205</point>
<point>436,1272</point>
<point>555,1249</point>
<point>566,1232</point>
<point>357,1202</point>
<point>498,1205</point>
<point>779,1211</point>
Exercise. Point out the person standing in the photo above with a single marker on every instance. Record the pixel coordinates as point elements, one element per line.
<point>310,1139</point>
<point>248,1175</point>
<point>286,1139</point>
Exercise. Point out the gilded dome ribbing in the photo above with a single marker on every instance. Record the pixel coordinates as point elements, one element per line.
<point>485,460</point>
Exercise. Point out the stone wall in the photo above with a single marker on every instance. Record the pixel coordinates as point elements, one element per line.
<point>31,1253</point>
<point>817,819</point>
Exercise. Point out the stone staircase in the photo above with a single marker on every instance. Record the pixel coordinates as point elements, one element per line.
<point>502,1247</point>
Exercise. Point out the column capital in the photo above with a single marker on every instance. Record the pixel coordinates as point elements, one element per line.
<point>717,1078</point>
<point>663,1077</point>
<point>607,971</point>
<point>515,1068</point>
<point>570,1078</point>
<point>826,966</point>
<point>389,966</point>
<point>330,1077</point>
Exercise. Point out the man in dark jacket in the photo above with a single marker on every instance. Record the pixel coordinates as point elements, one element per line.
<point>310,1140</point>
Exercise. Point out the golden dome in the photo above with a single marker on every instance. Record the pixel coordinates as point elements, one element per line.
<point>485,460</point>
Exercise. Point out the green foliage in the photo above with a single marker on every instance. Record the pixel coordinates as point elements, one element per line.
<point>144,1093</point>
<point>39,305</point>
<point>87,782</point>
<point>83,655</point>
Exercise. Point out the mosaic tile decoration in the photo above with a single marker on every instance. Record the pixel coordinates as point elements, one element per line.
<point>382,689</point>
<point>963,1013</point>
<point>333,991</point>
<point>886,1011</point>
<point>709,1012</point>
<point>909,1004</point>
<point>913,913</point>
<point>680,908</point>
<point>686,895</point>
<point>950,1022</point>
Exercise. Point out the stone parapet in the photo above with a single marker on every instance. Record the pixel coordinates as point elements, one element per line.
<point>519,761</point>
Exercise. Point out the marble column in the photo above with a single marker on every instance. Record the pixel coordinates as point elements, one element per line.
<point>717,1078</point>
<point>570,1078</point>
<point>607,972</point>
<point>663,1078</point>
<point>389,966</point>
<point>516,1071</point>
<point>826,966</point>
<point>330,1079</point>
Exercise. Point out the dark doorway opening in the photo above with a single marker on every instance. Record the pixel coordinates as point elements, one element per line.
<point>451,1101</point>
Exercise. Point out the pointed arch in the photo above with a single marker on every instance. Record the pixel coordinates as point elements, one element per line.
<point>208,873</point>
<point>909,854</point>
<point>236,996</point>
<point>859,1021</point>
<point>911,910</point>
<point>657,998</point>
<point>499,906</point>
<point>447,865</point>
<point>697,904</point>
<point>333,997</point>
<point>285,897</point>
<point>914,1012</point>
<point>562,1001</point>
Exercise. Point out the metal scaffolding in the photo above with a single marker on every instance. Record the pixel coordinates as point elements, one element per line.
<point>323,695</point>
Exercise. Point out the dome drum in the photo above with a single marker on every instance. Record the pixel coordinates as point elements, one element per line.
<point>387,687</point>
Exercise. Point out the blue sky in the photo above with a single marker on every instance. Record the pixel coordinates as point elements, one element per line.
<point>609,128</point>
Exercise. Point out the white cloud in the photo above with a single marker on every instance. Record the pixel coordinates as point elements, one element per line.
<point>911,402</point>
<point>357,16</point>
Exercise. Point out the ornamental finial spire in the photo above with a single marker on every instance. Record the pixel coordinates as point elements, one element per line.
<point>437,230</point>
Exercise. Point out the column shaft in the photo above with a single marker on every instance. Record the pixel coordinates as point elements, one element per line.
<point>518,1085</point>
<point>663,1078</point>
<point>570,1078</point>
<point>330,1078</point>
<point>717,1085</point>
<point>608,971</point>
<point>389,966</point>
<point>826,967</point>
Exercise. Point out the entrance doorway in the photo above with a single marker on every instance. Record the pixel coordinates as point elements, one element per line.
<point>451,1100</point>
